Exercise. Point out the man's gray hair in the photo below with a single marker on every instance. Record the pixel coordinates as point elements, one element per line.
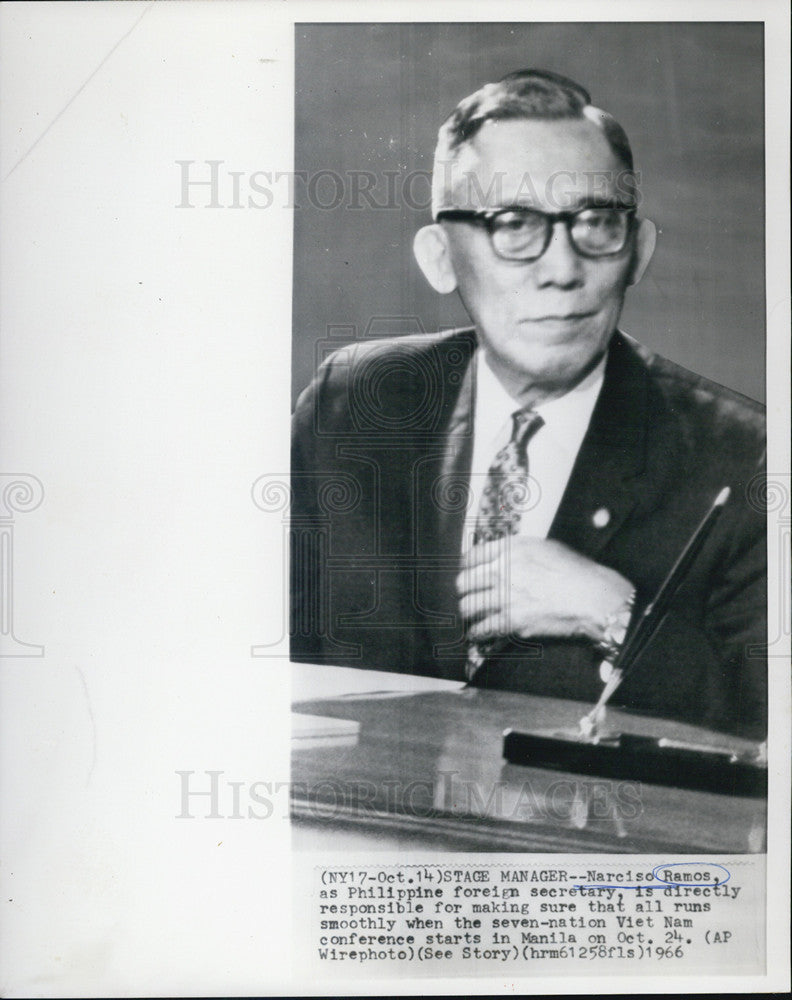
<point>523,95</point>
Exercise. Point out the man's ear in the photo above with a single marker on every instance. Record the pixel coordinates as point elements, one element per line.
<point>645,240</point>
<point>430,247</point>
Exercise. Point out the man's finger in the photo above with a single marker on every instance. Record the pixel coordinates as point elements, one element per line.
<point>483,552</point>
<point>492,626</point>
<point>475,607</point>
<point>476,579</point>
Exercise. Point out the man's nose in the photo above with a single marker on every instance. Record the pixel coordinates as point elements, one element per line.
<point>560,264</point>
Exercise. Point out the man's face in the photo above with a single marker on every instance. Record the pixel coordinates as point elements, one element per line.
<point>547,322</point>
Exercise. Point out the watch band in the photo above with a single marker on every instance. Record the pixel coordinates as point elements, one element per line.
<point>615,629</point>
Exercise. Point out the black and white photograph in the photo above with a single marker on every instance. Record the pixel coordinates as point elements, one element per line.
<point>394,498</point>
<point>530,463</point>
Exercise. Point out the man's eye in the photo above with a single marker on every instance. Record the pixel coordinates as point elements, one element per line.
<point>598,220</point>
<point>515,222</point>
<point>592,220</point>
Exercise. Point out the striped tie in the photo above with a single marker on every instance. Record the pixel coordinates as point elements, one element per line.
<point>504,498</point>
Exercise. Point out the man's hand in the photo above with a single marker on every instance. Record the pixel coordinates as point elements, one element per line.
<point>536,587</point>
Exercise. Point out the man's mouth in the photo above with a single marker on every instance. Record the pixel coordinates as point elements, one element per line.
<point>558,317</point>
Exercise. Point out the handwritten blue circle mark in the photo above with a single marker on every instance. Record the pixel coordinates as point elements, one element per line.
<point>685,882</point>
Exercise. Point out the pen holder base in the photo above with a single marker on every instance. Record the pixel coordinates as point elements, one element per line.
<point>639,758</point>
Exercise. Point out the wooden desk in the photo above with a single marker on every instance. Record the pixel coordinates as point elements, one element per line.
<point>419,765</point>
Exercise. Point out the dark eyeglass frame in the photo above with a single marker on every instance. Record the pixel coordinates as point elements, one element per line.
<point>488,217</point>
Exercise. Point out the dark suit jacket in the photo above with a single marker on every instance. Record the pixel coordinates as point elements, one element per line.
<point>381,455</point>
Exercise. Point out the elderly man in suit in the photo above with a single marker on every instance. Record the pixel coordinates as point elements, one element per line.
<point>497,503</point>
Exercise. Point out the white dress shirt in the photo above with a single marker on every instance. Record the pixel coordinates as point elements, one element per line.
<point>552,449</point>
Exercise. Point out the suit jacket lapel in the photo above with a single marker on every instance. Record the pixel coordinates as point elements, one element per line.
<point>604,485</point>
<point>443,507</point>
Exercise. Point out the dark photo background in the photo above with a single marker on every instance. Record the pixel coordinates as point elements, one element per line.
<point>370,97</point>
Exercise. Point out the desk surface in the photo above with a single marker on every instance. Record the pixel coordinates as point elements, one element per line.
<point>418,763</point>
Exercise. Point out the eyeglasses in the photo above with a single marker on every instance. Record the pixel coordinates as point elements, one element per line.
<point>523,234</point>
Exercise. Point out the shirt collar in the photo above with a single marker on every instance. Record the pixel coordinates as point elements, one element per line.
<point>566,417</point>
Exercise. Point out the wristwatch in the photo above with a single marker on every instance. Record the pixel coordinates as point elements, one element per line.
<point>615,629</point>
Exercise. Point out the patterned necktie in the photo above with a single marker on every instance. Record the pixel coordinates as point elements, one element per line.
<point>505,495</point>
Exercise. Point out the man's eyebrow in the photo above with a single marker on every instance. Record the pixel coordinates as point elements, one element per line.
<point>574,205</point>
<point>605,203</point>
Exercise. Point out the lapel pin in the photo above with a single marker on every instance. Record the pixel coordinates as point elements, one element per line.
<point>601,517</point>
